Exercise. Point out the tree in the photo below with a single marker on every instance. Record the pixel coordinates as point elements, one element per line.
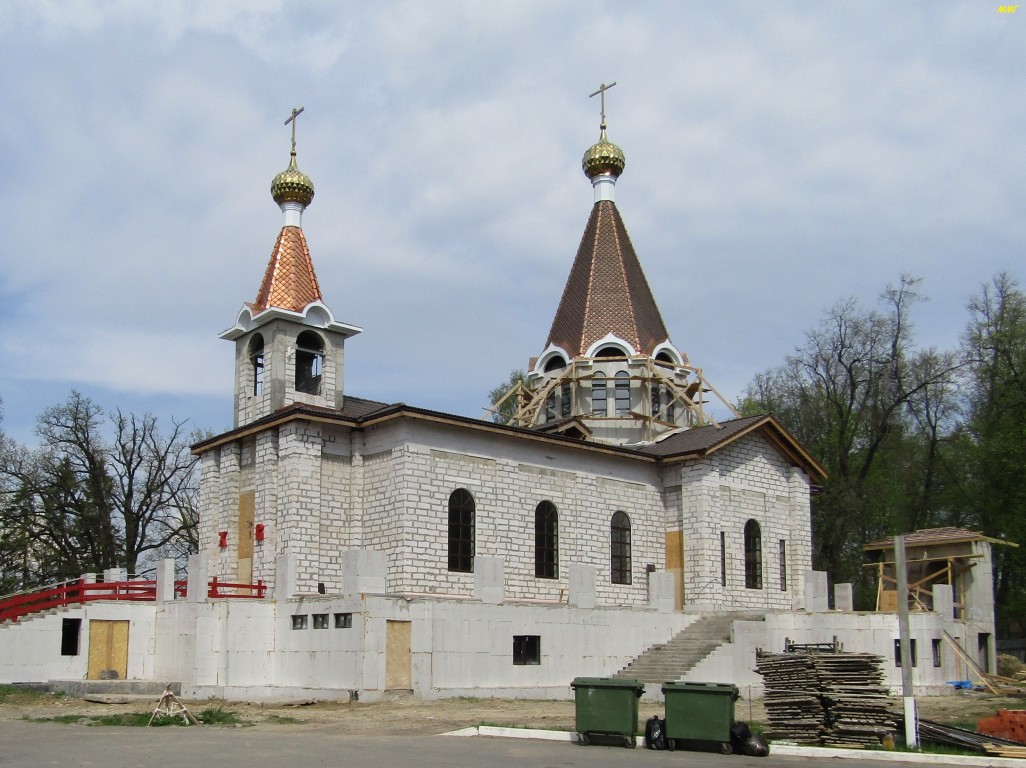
<point>80,503</point>
<point>995,351</point>
<point>857,395</point>
<point>507,406</point>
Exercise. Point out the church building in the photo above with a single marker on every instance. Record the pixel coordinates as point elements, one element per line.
<point>389,548</point>
<point>611,460</point>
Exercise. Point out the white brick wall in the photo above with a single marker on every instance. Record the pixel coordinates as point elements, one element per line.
<point>321,490</point>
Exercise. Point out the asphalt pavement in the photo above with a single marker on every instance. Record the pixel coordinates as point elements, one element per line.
<point>24,743</point>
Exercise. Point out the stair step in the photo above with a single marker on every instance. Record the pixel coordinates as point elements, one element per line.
<point>665,662</point>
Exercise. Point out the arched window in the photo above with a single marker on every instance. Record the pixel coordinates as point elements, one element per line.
<point>461,531</point>
<point>620,549</point>
<point>623,393</point>
<point>555,363</point>
<point>546,541</point>
<point>256,360</point>
<point>599,396</point>
<point>309,363</point>
<point>753,555</point>
<point>656,400</point>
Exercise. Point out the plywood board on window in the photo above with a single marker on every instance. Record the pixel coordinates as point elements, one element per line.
<point>397,655</point>
<point>675,565</point>
<point>888,601</point>
<point>108,650</point>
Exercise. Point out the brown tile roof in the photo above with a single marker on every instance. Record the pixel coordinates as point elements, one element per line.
<point>929,536</point>
<point>289,282</point>
<point>701,441</point>
<point>689,444</point>
<point>606,291</point>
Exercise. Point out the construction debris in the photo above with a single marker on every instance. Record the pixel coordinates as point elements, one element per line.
<point>1007,724</point>
<point>826,697</point>
<point>938,733</point>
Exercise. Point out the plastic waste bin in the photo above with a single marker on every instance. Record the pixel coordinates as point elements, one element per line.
<point>607,706</point>
<point>699,712</point>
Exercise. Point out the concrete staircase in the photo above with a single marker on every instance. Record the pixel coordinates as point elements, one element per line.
<point>672,660</point>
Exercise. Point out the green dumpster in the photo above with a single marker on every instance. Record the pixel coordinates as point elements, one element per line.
<point>607,706</point>
<point>699,712</point>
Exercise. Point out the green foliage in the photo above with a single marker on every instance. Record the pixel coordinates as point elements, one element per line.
<point>18,694</point>
<point>995,351</point>
<point>134,720</point>
<point>218,716</point>
<point>275,719</point>
<point>875,411</point>
<point>911,438</point>
<point>507,408</point>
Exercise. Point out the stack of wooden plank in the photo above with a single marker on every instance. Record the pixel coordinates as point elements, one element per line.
<point>825,698</point>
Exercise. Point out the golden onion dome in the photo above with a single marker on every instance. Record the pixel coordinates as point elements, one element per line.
<point>292,185</point>
<point>603,158</point>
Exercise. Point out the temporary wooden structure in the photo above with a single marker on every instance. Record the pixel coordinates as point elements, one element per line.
<point>690,396</point>
<point>933,556</point>
<point>170,706</point>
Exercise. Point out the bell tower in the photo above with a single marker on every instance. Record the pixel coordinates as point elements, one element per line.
<point>288,346</point>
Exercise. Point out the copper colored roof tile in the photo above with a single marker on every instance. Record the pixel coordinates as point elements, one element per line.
<point>289,282</point>
<point>606,291</point>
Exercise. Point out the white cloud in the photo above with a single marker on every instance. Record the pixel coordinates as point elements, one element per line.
<point>778,157</point>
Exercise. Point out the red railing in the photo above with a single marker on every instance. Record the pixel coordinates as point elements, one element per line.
<point>238,590</point>
<point>77,591</point>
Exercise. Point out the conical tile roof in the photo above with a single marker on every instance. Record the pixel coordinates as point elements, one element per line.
<point>290,281</point>
<point>607,292</point>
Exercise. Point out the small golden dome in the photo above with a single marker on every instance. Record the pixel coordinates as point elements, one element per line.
<point>603,158</point>
<point>292,185</point>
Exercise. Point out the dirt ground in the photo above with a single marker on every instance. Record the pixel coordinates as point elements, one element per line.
<point>412,717</point>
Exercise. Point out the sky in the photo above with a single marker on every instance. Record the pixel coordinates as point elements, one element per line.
<point>781,157</point>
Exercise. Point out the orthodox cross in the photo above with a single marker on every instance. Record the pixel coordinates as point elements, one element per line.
<point>602,90</point>
<point>295,114</point>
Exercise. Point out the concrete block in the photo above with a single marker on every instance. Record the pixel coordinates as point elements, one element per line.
<point>582,586</point>
<point>816,596</point>
<point>285,576</point>
<point>165,581</point>
<point>660,591</point>
<point>943,600</point>
<point>363,572</point>
<point>844,599</point>
<point>489,580</point>
<point>199,577</point>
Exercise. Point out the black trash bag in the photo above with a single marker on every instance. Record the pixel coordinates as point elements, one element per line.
<point>655,733</point>
<point>755,746</point>
<point>739,733</point>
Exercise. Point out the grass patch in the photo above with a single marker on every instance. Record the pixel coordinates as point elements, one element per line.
<point>16,694</point>
<point>210,716</point>
<point>132,719</point>
<point>218,716</point>
<point>282,720</point>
